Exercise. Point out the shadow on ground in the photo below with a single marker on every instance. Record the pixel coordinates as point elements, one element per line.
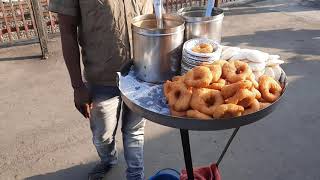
<point>78,172</point>
<point>21,58</point>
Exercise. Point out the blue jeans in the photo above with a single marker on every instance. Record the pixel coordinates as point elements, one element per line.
<point>107,108</point>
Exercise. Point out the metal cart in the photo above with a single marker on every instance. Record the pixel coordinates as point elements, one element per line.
<point>184,124</point>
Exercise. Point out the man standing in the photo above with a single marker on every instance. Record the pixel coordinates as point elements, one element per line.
<point>102,29</point>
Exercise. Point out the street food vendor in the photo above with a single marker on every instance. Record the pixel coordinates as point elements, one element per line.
<point>102,29</point>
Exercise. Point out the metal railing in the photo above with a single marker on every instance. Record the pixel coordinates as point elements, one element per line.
<point>17,21</point>
<point>174,5</point>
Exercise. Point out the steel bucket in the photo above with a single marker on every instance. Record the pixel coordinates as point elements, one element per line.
<point>199,26</point>
<point>157,52</point>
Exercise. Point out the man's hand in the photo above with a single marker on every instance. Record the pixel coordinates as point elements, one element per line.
<point>83,101</point>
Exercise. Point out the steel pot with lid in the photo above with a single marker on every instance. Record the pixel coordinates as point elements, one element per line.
<point>200,26</point>
<point>157,52</point>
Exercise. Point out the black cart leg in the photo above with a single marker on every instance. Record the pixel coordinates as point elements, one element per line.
<point>187,152</point>
<point>227,146</point>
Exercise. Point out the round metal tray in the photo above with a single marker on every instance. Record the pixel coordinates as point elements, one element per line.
<point>205,125</point>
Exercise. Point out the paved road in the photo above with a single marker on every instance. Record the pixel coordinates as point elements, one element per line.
<point>43,138</point>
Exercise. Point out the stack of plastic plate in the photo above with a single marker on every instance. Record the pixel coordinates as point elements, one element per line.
<point>191,59</point>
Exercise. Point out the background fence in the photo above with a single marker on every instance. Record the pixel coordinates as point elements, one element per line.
<point>19,18</point>
<point>17,21</point>
<point>174,5</point>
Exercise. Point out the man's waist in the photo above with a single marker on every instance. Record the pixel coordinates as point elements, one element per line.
<point>103,78</point>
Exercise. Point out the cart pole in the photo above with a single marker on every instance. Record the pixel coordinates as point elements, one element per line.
<point>227,146</point>
<point>187,152</point>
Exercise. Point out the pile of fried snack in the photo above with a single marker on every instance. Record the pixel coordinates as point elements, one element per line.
<point>220,90</point>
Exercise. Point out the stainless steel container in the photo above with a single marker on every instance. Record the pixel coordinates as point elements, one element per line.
<point>199,26</point>
<point>157,52</point>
